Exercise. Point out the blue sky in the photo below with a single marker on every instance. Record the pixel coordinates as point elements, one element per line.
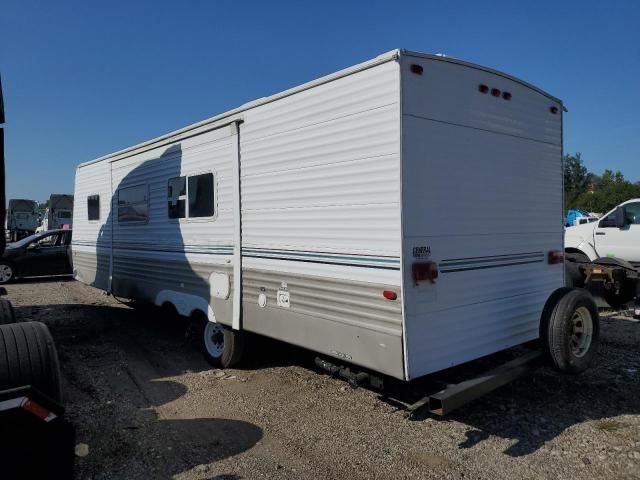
<point>82,79</point>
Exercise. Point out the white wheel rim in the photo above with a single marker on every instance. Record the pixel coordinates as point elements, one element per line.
<point>214,339</point>
<point>581,332</point>
<point>5,273</point>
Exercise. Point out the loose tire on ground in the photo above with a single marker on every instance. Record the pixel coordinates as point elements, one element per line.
<point>29,358</point>
<point>221,346</point>
<point>7,314</point>
<point>570,329</point>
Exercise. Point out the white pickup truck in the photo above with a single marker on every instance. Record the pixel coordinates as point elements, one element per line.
<point>604,256</point>
<point>616,234</point>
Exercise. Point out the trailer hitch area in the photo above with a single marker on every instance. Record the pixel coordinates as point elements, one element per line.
<point>456,395</point>
<point>354,379</point>
<point>610,278</point>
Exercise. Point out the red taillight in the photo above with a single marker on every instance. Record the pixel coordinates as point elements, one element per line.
<point>554,257</point>
<point>424,271</point>
<point>389,294</point>
<point>36,409</point>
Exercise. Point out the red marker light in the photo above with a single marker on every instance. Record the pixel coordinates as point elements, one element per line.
<point>495,92</point>
<point>506,95</point>
<point>553,110</point>
<point>390,295</point>
<point>483,89</point>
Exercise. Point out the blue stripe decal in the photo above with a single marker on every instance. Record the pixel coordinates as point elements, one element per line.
<point>368,261</point>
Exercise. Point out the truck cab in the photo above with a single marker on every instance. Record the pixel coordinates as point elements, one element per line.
<point>616,234</point>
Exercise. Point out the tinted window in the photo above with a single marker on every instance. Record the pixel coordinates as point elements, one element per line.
<point>633,213</point>
<point>47,241</point>
<point>177,197</point>
<point>133,204</point>
<point>201,195</point>
<point>93,207</point>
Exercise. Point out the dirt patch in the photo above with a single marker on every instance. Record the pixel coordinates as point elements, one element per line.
<point>148,406</point>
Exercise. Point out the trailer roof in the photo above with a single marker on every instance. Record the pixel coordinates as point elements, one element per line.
<point>235,114</point>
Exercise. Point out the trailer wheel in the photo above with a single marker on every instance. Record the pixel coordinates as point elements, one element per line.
<point>221,346</point>
<point>7,273</point>
<point>7,314</point>
<point>29,358</point>
<point>570,329</point>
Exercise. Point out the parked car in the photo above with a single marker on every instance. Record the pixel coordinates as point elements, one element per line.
<point>39,255</point>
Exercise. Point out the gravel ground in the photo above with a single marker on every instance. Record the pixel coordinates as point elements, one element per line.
<point>148,406</point>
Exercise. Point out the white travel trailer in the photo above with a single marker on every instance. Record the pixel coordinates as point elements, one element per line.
<point>372,215</point>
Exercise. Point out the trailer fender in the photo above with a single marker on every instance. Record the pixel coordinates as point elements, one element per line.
<point>185,303</point>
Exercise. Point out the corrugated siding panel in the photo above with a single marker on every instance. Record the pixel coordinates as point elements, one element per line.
<point>208,152</point>
<point>482,192</point>
<point>448,92</point>
<point>320,169</point>
<point>92,180</point>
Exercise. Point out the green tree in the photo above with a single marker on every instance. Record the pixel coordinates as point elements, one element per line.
<point>612,189</point>
<point>576,180</point>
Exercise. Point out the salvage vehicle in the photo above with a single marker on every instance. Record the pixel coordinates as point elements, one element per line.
<point>59,213</point>
<point>617,234</point>
<point>604,256</point>
<point>35,439</point>
<point>328,216</point>
<point>22,218</point>
<point>40,255</point>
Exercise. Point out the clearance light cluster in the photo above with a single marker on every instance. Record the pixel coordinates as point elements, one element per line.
<point>495,92</point>
<point>424,271</point>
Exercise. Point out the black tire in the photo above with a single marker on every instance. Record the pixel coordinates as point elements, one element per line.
<point>29,357</point>
<point>570,329</point>
<point>572,275</point>
<point>6,266</point>
<point>625,295</point>
<point>230,344</point>
<point>7,314</point>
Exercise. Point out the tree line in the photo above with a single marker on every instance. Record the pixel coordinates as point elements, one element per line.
<point>584,190</point>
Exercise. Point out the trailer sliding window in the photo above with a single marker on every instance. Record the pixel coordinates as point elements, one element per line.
<point>133,204</point>
<point>93,207</point>
<point>191,196</point>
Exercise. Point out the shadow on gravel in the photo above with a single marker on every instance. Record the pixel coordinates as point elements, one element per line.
<point>145,346</point>
<point>61,278</point>
<point>117,364</point>
<point>542,405</point>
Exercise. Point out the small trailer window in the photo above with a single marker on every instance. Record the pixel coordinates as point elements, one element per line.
<point>198,190</point>
<point>93,207</point>
<point>201,195</point>
<point>133,204</point>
